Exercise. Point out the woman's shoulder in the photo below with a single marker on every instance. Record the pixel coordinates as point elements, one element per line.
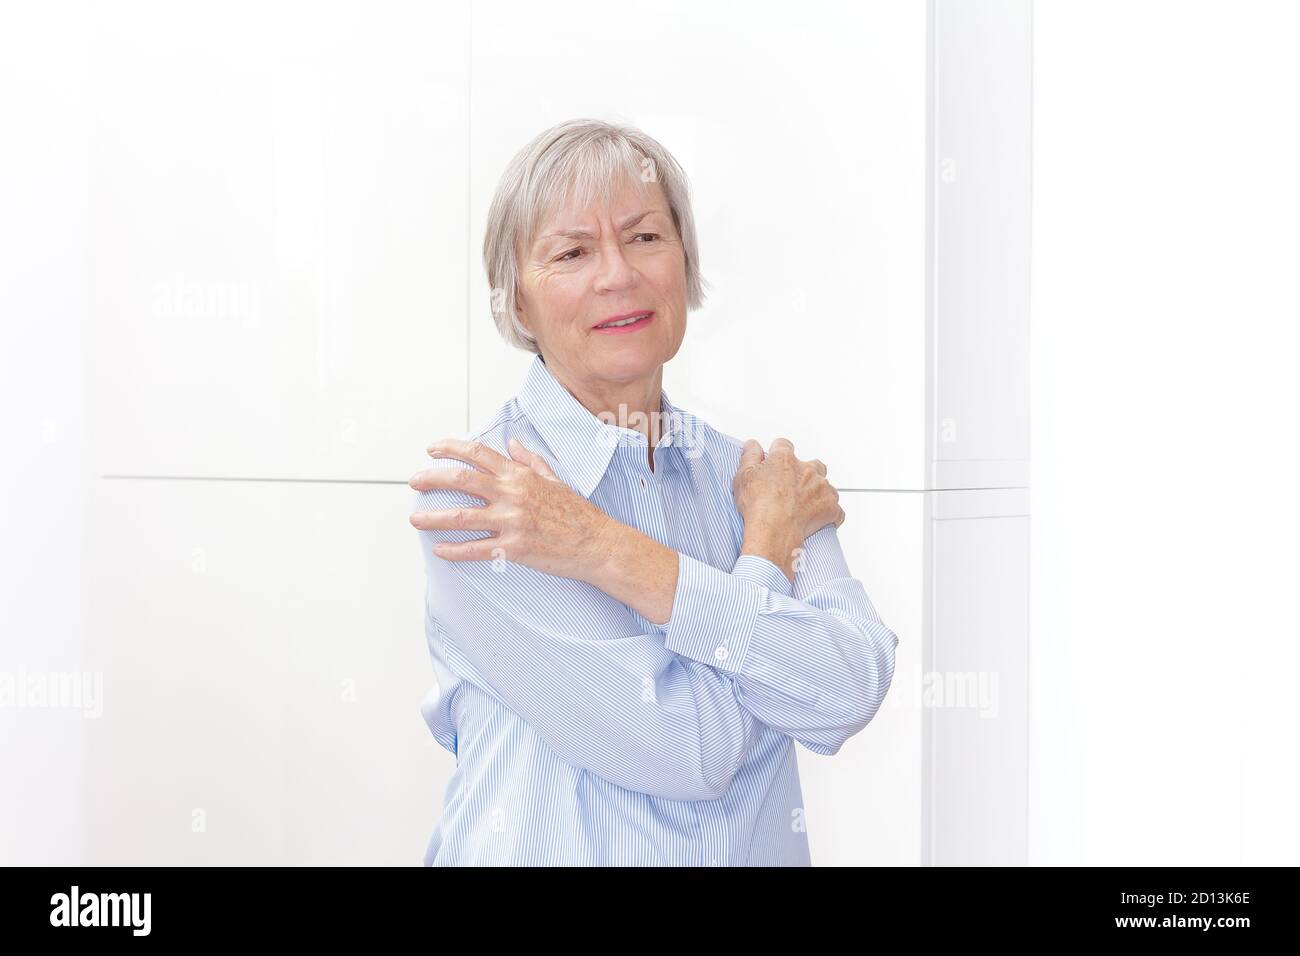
<point>715,447</point>
<point>495,434</point>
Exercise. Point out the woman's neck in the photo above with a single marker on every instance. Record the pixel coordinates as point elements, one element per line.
<point>635,405</point>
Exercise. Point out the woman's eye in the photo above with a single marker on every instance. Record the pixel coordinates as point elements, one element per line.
<point>569,256</point>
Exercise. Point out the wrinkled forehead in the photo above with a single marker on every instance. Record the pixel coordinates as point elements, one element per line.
<point>583,204</point>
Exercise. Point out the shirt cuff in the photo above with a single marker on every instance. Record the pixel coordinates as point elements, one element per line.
<point>713,614</point>
<point>763,572</point>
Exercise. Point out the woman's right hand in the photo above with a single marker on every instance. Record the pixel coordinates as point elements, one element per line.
<point>535,518</point>
<point>782,500</point>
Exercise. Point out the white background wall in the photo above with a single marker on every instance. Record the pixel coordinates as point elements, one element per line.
<point>1166,310</point>
<point>282,303</point>
<point>44,299</point>
<point>227,254</point>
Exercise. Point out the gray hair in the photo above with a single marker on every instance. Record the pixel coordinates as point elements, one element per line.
<point>580,160</point>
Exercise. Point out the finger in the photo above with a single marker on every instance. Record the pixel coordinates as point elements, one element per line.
<point>480,549</point>
<point>519,453</point>
<point>456,519</point>
<point>476,453</point>
<point>818,464</point>
<point>784,445</point>
<point>530,458</point>
<point>468,480</point>
<point>751,454</point>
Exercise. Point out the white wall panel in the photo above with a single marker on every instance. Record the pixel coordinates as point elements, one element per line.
<point>977,712</point>
<point>863,804</point>
<point>278,236</point>
<point>232,633</point>
<point>264,660</point>
<point>981,168</point>
<point>802,128</point>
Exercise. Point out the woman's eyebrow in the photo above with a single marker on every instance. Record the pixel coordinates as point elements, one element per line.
<point>584,234</point>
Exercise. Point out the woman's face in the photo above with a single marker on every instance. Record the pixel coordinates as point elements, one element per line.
<point>588,266</point>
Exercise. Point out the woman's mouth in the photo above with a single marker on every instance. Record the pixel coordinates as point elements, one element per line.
<point>630,322</point>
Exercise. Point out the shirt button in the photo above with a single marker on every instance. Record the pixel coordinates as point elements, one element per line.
<point>720,654</point>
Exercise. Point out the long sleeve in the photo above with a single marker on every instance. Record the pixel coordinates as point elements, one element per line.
<point>575,665</point>
<point>813,661</point>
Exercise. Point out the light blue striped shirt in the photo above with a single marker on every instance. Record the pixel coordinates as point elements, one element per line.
<point>586,735</point>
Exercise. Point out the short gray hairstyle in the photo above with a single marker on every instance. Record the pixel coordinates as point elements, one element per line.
<point>581,160</point>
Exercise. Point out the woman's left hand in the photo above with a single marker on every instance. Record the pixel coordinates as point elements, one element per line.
<point>536,519</point>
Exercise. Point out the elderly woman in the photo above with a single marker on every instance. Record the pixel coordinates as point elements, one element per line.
<point>632,616</point>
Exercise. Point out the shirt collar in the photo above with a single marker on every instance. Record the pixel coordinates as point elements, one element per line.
<point>581,443</point>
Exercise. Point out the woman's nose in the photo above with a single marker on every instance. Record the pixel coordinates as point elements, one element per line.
<point>615,272</point>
